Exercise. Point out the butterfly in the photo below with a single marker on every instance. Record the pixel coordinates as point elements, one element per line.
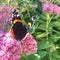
<point>18,30</point>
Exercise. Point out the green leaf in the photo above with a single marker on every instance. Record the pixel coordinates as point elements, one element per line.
<point>23,57</point>
<point>55,37</point>
<point>33,57</point>
<point>57,46</point>
<point>44,46</point>
<point>42,53</point>
<point>32,30</point>
<point>41,35</point>
<point>1,1</point>
<point>30,57</point>
<point>55,54</point>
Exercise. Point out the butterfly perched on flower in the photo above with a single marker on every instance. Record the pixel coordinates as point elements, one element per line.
<point>18,30</point>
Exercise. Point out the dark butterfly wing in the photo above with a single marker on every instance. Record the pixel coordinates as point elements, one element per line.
<point>19,31</point>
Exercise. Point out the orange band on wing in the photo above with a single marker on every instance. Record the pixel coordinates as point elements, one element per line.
<point>12,33</point>
<point>17,21</point>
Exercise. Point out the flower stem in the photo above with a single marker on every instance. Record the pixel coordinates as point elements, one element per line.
<point>47,32</point>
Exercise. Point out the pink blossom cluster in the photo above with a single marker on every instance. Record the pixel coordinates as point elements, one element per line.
<point>5,17</point>
<point>51,8</point>
<point>11,49</point>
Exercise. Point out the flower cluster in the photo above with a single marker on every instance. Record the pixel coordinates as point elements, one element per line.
<point>5,17</point>
<point>11,49</point>
<point>51,8</point>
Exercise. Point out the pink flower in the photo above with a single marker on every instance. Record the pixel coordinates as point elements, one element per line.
<point>1,34</point>
<point>48,7</point>
<point>29,44</point>
<point>6,12</point>
<point>5,17</point>
<point>51,8</point>
<point>12,49</point>
<point>56,9</point>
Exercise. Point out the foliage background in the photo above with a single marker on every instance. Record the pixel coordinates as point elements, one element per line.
<point>46,29</point>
